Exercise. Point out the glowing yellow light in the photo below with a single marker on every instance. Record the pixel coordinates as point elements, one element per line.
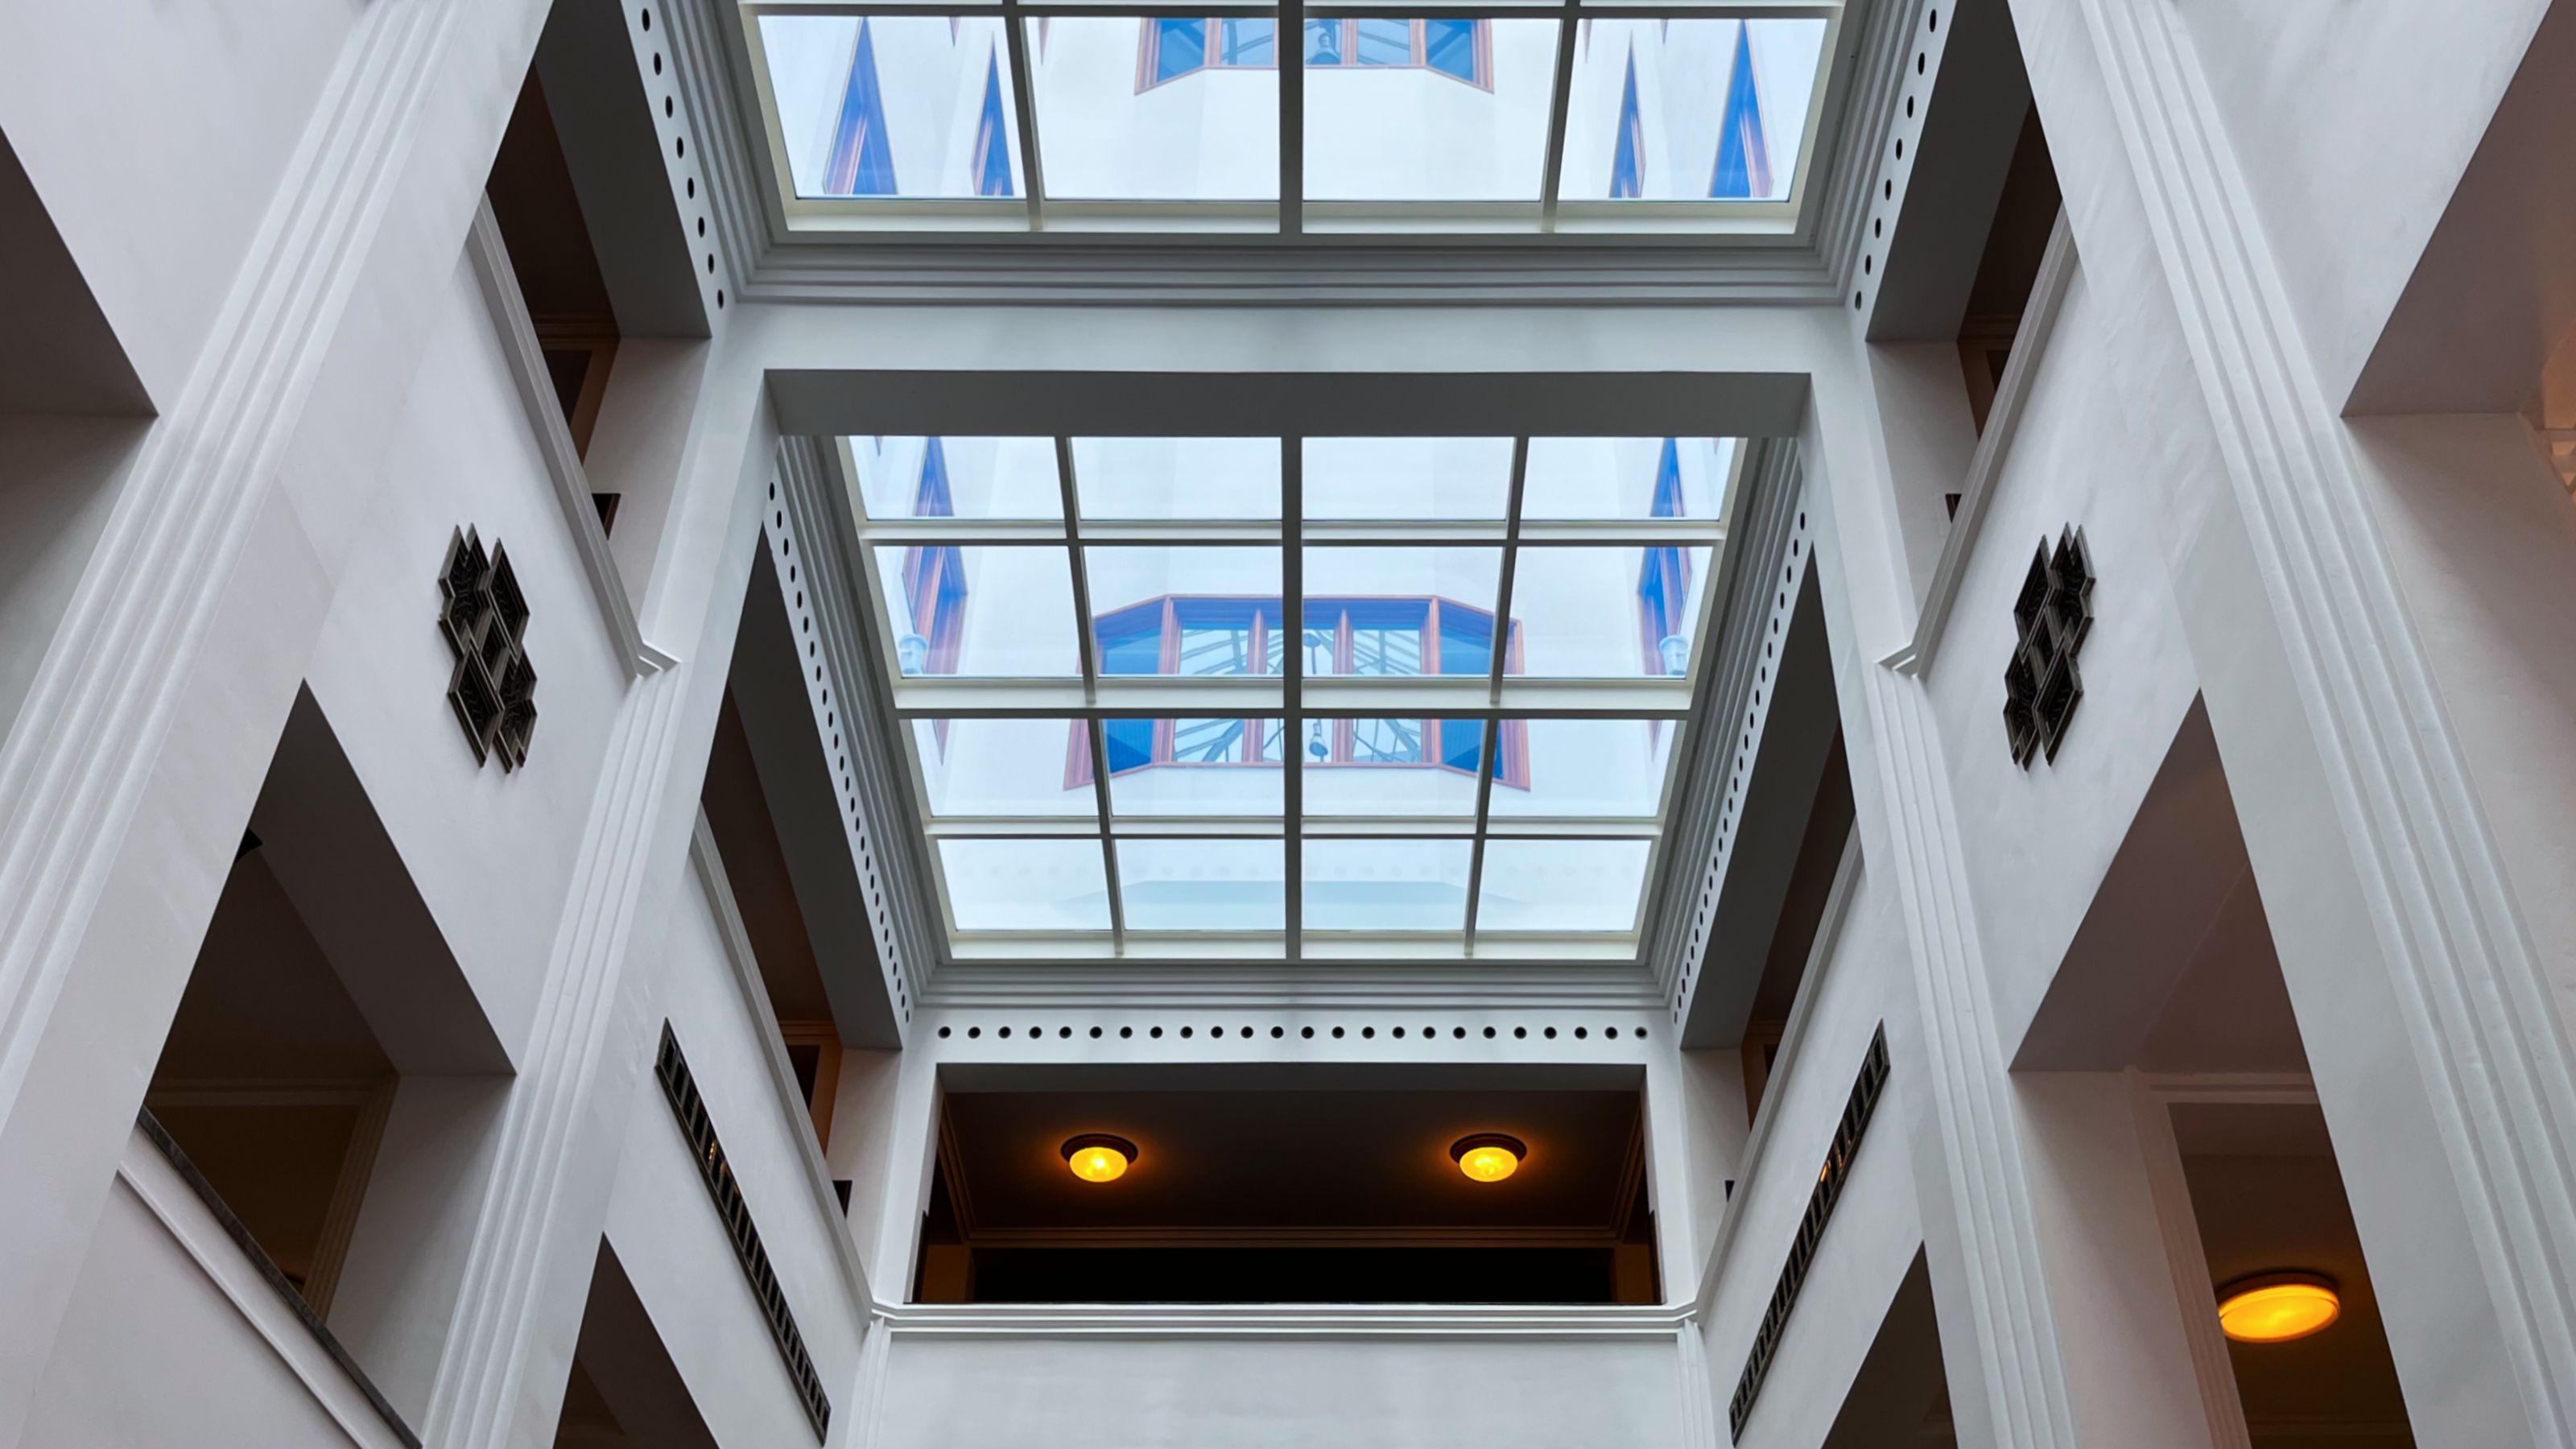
<point>2278,1307</point>
<point>1488,1156</point>
<point>1098,1157</point>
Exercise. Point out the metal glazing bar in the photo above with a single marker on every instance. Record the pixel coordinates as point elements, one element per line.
<point>1015,45</point>
<point>1500,654</point>
<point>1086,646</point>
<point>1292,659</point>
<point>1289,44</point>
<point>1559,101</point>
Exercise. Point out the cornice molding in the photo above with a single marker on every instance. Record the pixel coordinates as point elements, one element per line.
<point>2057,268</point>
<point>518,338</point>
<point>1114,1321</point>
<point>745,968</point>
<point>1791,1059</point>
<point>2483,1014</point>
<point>1764,521</point>
<point>820,537</point>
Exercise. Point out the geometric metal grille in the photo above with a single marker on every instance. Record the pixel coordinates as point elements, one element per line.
<point>680,1088</point>
<point>485,618</point>
<point>1857,1110</point>
<point>2053,614</point>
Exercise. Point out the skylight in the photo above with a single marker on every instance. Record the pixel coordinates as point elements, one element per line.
<point>1019,115</point>
<point>1322,698</point>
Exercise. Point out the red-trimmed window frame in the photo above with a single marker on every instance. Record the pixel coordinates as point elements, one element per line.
<point>1150,41</point>
<point>1512,767</point>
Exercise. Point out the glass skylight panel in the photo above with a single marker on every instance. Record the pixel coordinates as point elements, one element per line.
<point>1196,767</point>
<point>1627,478</point>
<point>1464,479</point>
<point>1443,797</point>
<point>1689,109</point>
<point>927,593</point>
<point>1436,109</point>
<point>1385,885</point>
<point>1609,613</point>
<point>1562,885</point>
<point>1185,611</point>
<point>1600,769</point>
<point>999,767</point>
<point>1382,611</point>
<point>1025,885</point>
<point>1162,479</point>
<point>1203,885</point>
<point>894,106</point>
<point>1173,123</point>
<point>978,478</point>
<point>1157,109</point>
<point>1392,768</point>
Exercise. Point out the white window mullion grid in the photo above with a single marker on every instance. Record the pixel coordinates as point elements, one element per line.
<point>1490,701</point>
<point>1597,219</point>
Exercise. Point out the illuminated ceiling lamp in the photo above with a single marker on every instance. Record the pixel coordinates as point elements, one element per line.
<point>1488,1156</point>
<point>2278,1307</point>
<point>1098,1157</point>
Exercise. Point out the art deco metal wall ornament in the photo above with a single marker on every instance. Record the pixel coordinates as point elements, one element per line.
<point>2053,614</point>
<point>485,618</point>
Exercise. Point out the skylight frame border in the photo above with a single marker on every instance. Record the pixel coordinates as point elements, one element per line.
<point>1289,696</point>
<point>1291,218</point>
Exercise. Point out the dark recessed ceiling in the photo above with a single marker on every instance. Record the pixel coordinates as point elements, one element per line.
<point>1292,1167</point>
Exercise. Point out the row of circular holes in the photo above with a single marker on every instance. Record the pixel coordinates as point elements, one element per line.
<point>1887,186</point>
<point>680,151</point>
<point>832,723</point>
<point>1217,1033</point>
<point>1743,762</point>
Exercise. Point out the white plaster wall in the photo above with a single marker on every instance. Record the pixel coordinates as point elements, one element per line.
<point>491,851</point>
<point>173,1338</point>
<point>1876,1227</point>
<point>2037,842</point>
<point>156,135</point>
<point>673,1246</point>
<point>2353,124</point>
<point>1076,1391</point>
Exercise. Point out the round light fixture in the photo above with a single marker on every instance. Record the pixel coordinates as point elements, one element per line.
<point>1098,1157</point>
<point>2278,1307</point>
<point>1488,1156</point>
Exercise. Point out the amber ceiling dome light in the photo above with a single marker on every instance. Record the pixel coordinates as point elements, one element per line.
<point>1098,1157</point>
<point>2278,1307</point>
<point>1488,1156</point>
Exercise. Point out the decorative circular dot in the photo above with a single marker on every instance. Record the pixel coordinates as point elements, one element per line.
<point>648,19</point>
<point>943,1033</point>
<point>1489,1033</point>
<point>1156,1033</point>
<point>973,1032</point>
<point>1520,1031</point>
<point>1063,1031</point>
<point>1185,1033</point>
<point>1095,1033</point>
<point>1551,1033</point>
<point>1368,1031</point>
<point>1578,1033</point>
<point>657,62</point>
<point>1125,1032</point>
<point>1307,1032</point>
<point>1337,1033</point>
<point>1276,1032</point>
<point>1458,1033</point>
<point>1399,1033</point>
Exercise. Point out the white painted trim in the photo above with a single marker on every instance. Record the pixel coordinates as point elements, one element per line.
<point>1482,986</point>
<point>2012,392</point>
<point>793,1111</point>
<point>1276,1321</point>
<point>2169,1192</point>
<point>157,1185</point>
<point>518,338</point>
<point>2480,1004</point>
<point>1792,1063</point>
<point>1969,1078</point>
